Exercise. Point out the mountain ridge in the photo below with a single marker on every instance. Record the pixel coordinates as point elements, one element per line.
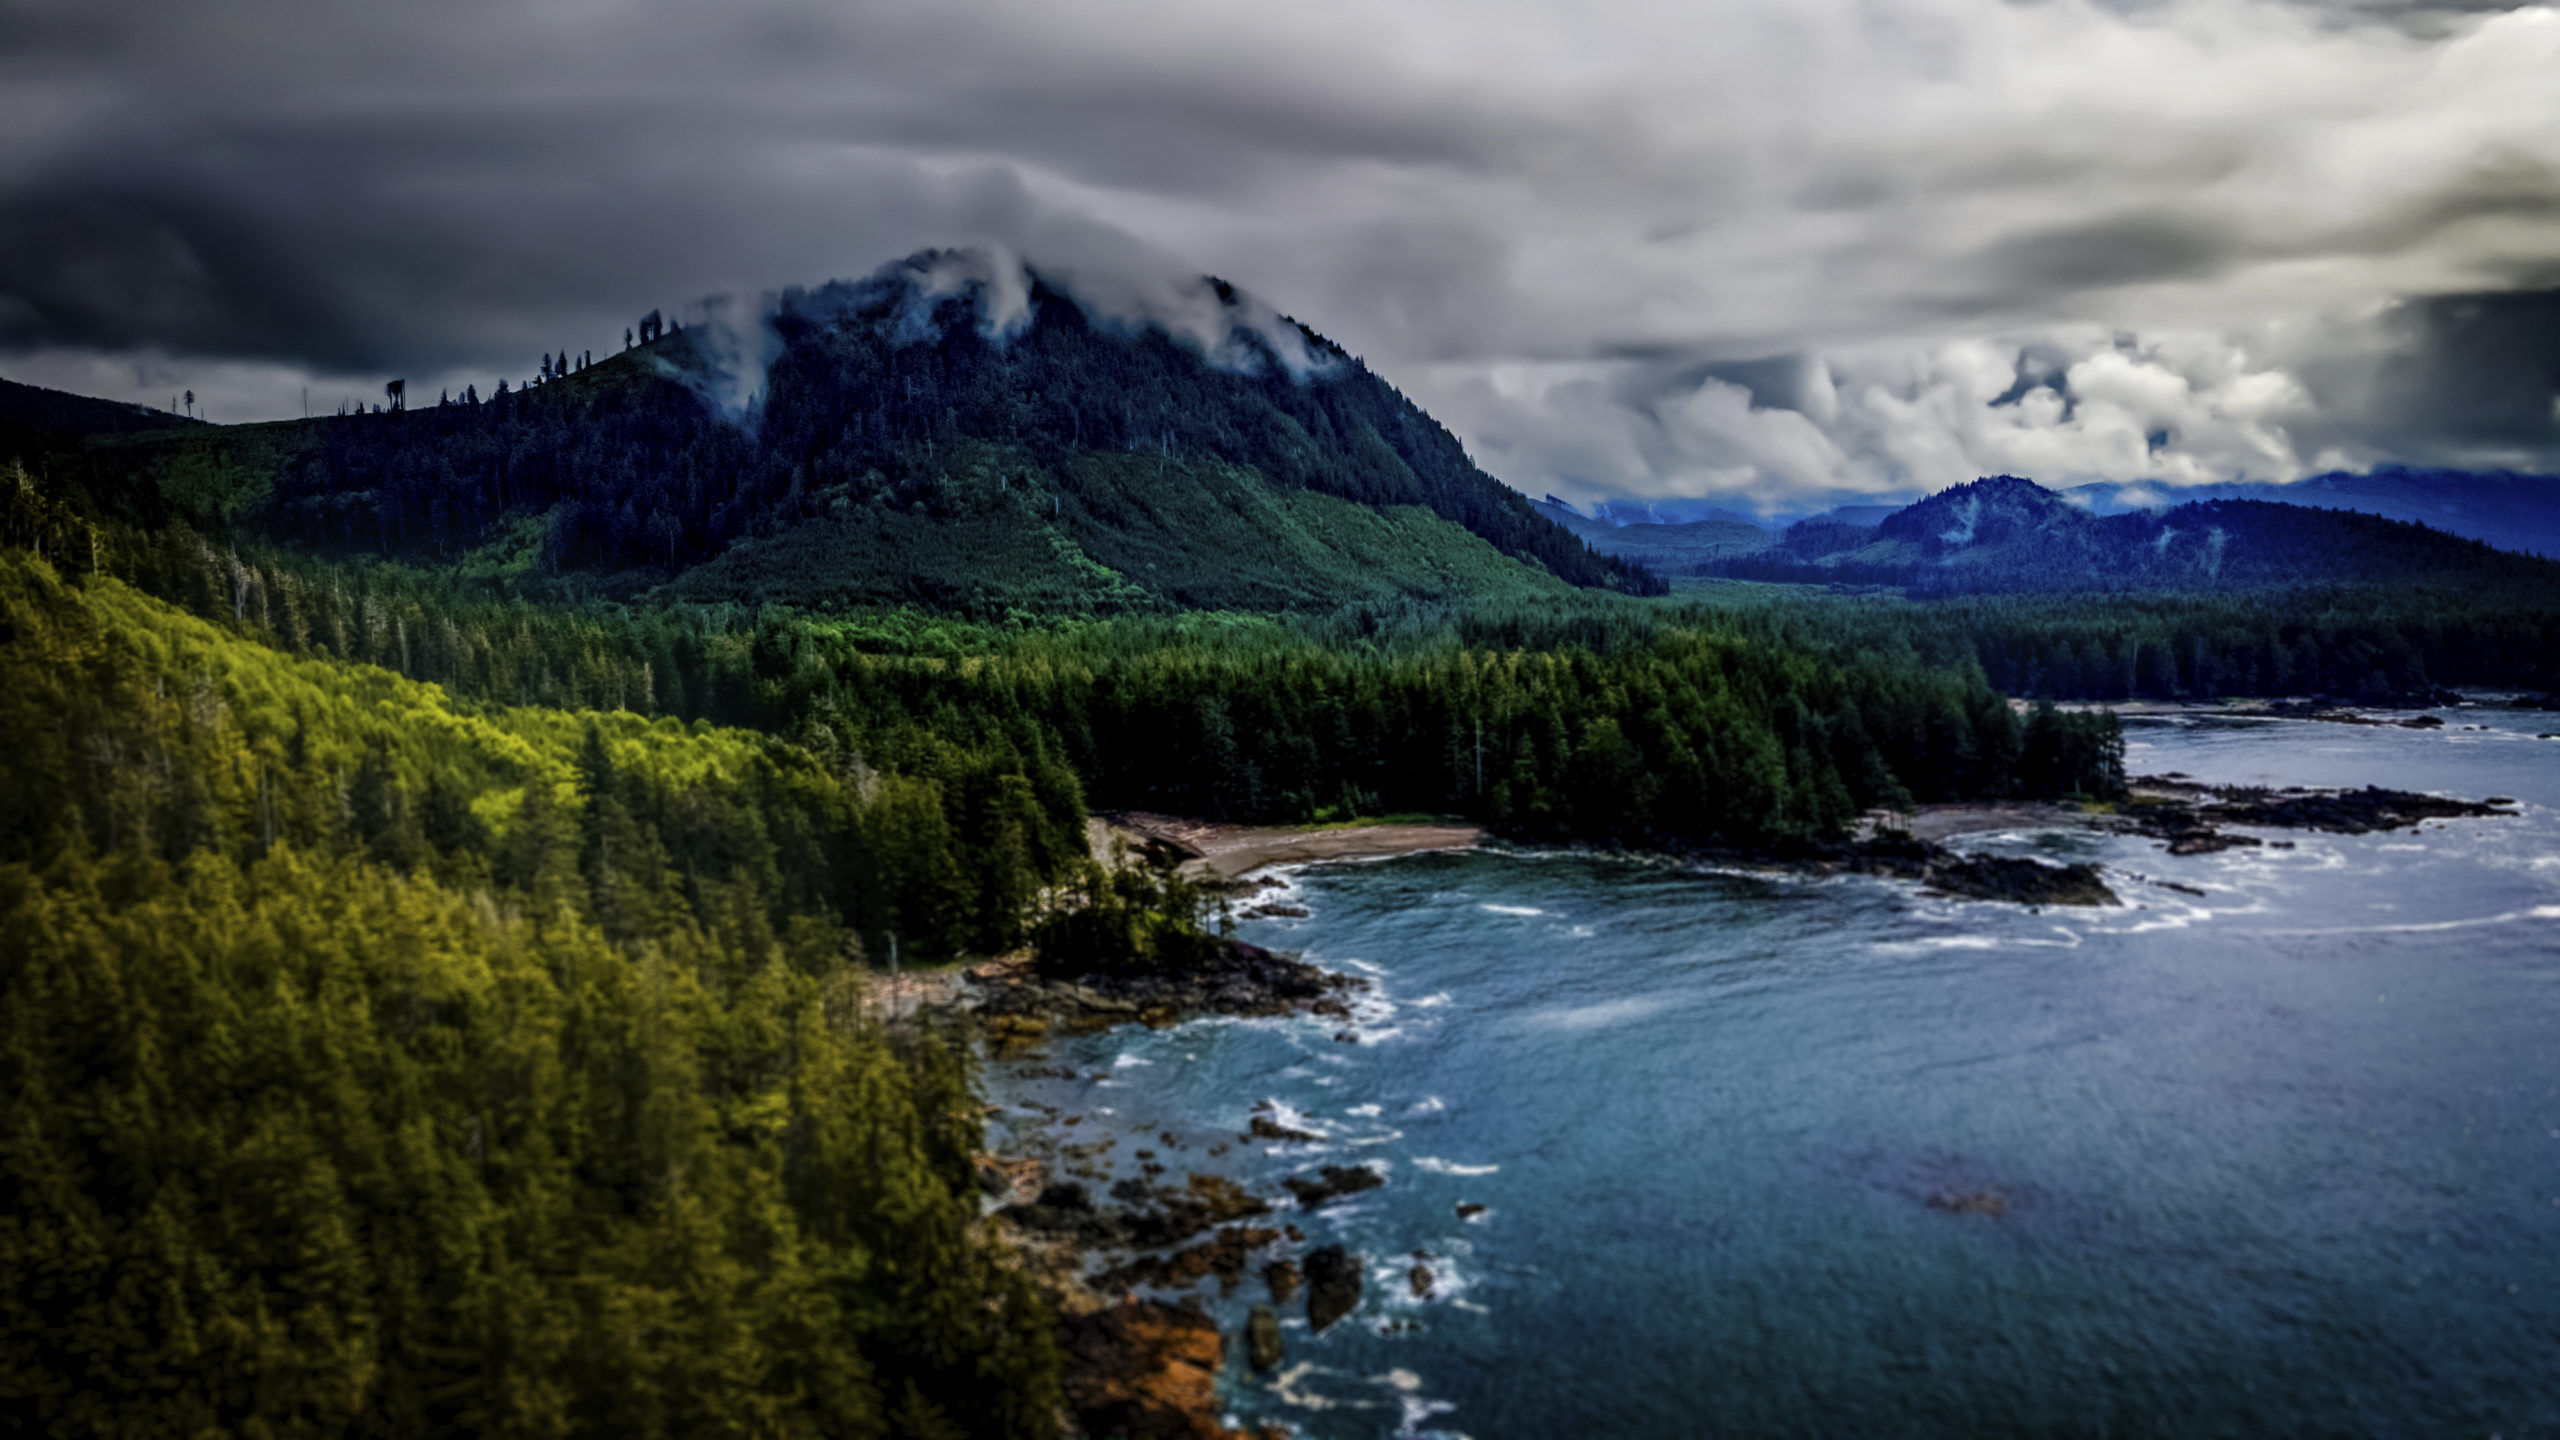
<point>1222,453</point>
<point>2008,534</point>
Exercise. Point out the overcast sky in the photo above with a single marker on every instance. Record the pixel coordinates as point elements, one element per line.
<point>1770,251</point>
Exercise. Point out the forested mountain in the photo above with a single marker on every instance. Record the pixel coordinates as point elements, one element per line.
<point>2006,534</point>
<point>921,435</point>
<point>2513,512</point>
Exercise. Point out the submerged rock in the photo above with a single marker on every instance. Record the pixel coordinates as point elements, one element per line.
<point>1262,1338</point>
<point>1333,1182</point>
<point>1333,1285</point>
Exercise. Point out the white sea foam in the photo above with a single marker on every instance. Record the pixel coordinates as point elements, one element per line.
<point>1430,1002</point>
<point>1438,1166</point>
<point>1365,1112</point>
<point>1427,1105</point>
<point>2538,912</point>
<point>1592,1017</point>
<point>1291,1117</point>
<point>1127,1061</point>
<point>1511,910</point>
<point>1289,1385</point>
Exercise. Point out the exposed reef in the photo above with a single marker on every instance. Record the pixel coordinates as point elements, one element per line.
<point>2189,817</point>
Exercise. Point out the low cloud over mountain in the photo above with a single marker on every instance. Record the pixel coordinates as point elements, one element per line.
<point>1773,252</point>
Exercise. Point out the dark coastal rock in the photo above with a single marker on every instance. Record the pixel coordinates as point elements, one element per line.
<point>1239,979</point>
<point>1468,1210</point>
<point>1157,1220</point>
<point>1332,1183</point>
<point>2423,722</point>
<point>1333,1285</point>
<point>2190,816</point>
<point>1204,1201</point>
<point>1145,1370</point>
<point>1283,1278</point>
<point>2342,812</point>
<point>1224,1256</point>
<point>1419,1277</point>
<point>2021,881</point>
<point>1265,1128</point>
<point>2017,881</point>
<point>1262,1338</point>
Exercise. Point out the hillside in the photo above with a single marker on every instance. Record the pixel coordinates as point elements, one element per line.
<point>2006,534</point>
<point>1667,547</point>
<point>2513,512</point>
<point>33,410</point>
<point>924,436</point>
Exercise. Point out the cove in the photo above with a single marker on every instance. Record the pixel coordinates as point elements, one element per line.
<point>1778,1156</point>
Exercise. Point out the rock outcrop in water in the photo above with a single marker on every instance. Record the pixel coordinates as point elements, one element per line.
<point>1333,1286</point>
<point>1332,1183</point>
<point>2190,817</point>
<point>2015,880</point>
<point>1240,979</point>
<point>1262,1338</point>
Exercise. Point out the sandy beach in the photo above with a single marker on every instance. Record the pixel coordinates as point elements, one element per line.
<point>1230,852</point>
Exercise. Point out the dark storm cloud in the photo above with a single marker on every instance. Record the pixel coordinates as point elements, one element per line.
<point>2457,379</point>
<point>1581,232</point>
<point>2479,365</point>
<point>2126,249</point>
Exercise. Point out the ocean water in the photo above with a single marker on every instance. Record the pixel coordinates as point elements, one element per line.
<point>2282,1158</point>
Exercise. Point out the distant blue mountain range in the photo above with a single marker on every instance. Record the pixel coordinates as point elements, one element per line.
<point>2009,534</point>
<point>2512,512</point>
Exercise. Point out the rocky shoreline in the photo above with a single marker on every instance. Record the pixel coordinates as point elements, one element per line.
<point>1240,979</point>
<point>1140,1364</point>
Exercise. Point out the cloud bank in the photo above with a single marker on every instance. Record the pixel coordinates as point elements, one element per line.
<point>1755,249</point>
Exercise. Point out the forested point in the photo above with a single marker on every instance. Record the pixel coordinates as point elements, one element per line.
<point>425,1047</point>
